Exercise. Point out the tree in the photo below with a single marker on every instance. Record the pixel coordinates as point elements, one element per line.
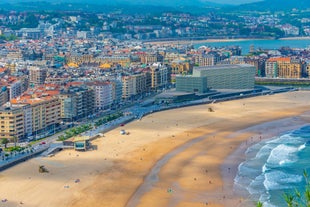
<point>5,141</point>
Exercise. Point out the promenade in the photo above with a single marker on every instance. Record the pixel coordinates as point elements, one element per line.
<point>137,111</point>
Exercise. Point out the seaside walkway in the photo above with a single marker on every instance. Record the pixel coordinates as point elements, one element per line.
<point>14,159</point>
<point>136,112</point>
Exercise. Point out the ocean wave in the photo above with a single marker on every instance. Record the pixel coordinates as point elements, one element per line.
<point>282,154</point>
<point>264,151</point>
<point>278,180</point>
<point>276,165</point>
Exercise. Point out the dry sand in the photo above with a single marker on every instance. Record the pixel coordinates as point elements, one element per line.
<point>185,157</point>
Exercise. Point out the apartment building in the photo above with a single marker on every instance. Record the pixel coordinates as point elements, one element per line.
<point>11,123</point>
<point>37,75</point>
<point>181,66</point>
<point>4,95</point>
<point>160,76</point>
<point>271,69</point>
<point>136,84</point>
<point>206,59</point>
<point>76,102</point>
<point>103,94</point>
<point>45,111</point>
<point>286,67</point>
<point>150,58</point>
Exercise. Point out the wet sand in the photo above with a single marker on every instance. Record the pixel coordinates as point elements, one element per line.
<point>182,157</point>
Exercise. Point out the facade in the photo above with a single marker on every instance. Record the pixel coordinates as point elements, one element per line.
<point>44,113</point>
<point>15,89</point>
<point>271,69</point>
<point>37,75</point>
<point>181,67</point>
<point>115,60</point>
<point>11,123</point>
<point>103,91</point>
<point>285,67</point>
<point>189,83</point>
<point>259,64</point>
<point>135,84</point>
<point>4,95</point>
<point>160,77</point>
<point>218,77</point>
<point>227,76</point>
<point>150,58</point>
<point>76,102</point>
<point>27,110</point>
<point>116,91</point>
<point>205,60</point>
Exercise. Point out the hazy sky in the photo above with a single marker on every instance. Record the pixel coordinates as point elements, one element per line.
<point>163,2</point>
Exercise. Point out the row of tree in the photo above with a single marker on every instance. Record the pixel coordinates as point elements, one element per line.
<point>108,118</point>
<point>75,131</point>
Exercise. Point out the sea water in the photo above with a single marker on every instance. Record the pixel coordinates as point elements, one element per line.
<point>259,44</point>
<point>274,167</point>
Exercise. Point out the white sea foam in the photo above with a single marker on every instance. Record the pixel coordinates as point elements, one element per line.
<point>273,167</point>
<point>278,180</point>
<point>264,168</point>
<point>282,154</point>
<point>301,147</point>
<point>264,151</point>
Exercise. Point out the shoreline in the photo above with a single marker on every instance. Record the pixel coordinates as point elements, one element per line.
<point>111,174</point>
<point>261,132</point>
<point>295,38</point>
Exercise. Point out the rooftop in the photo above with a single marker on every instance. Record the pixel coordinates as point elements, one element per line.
<point>228,66</point>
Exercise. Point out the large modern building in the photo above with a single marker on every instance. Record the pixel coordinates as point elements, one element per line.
<point>189,83</point>
<point>217,77</point>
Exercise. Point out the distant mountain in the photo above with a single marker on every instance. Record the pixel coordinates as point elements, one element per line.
<point>276,5</point>
<point>123,6</point>
<point>163,3</point>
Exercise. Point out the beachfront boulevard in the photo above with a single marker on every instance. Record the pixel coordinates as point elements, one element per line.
<point>15,157</point>
<point>137,111</point>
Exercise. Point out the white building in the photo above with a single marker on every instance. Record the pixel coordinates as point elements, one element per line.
<point>103,94</point>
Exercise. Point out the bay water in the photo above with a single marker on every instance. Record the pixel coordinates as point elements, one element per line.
<point>259,44</point>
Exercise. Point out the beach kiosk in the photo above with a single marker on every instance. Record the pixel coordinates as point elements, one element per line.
<point>81,143</point>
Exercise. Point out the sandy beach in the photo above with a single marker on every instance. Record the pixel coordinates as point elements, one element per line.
<point>295,38</point>
<point>185,157</point>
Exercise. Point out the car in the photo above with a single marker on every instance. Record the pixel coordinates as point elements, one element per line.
<point>122,125</point>
<point>43,143</point>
